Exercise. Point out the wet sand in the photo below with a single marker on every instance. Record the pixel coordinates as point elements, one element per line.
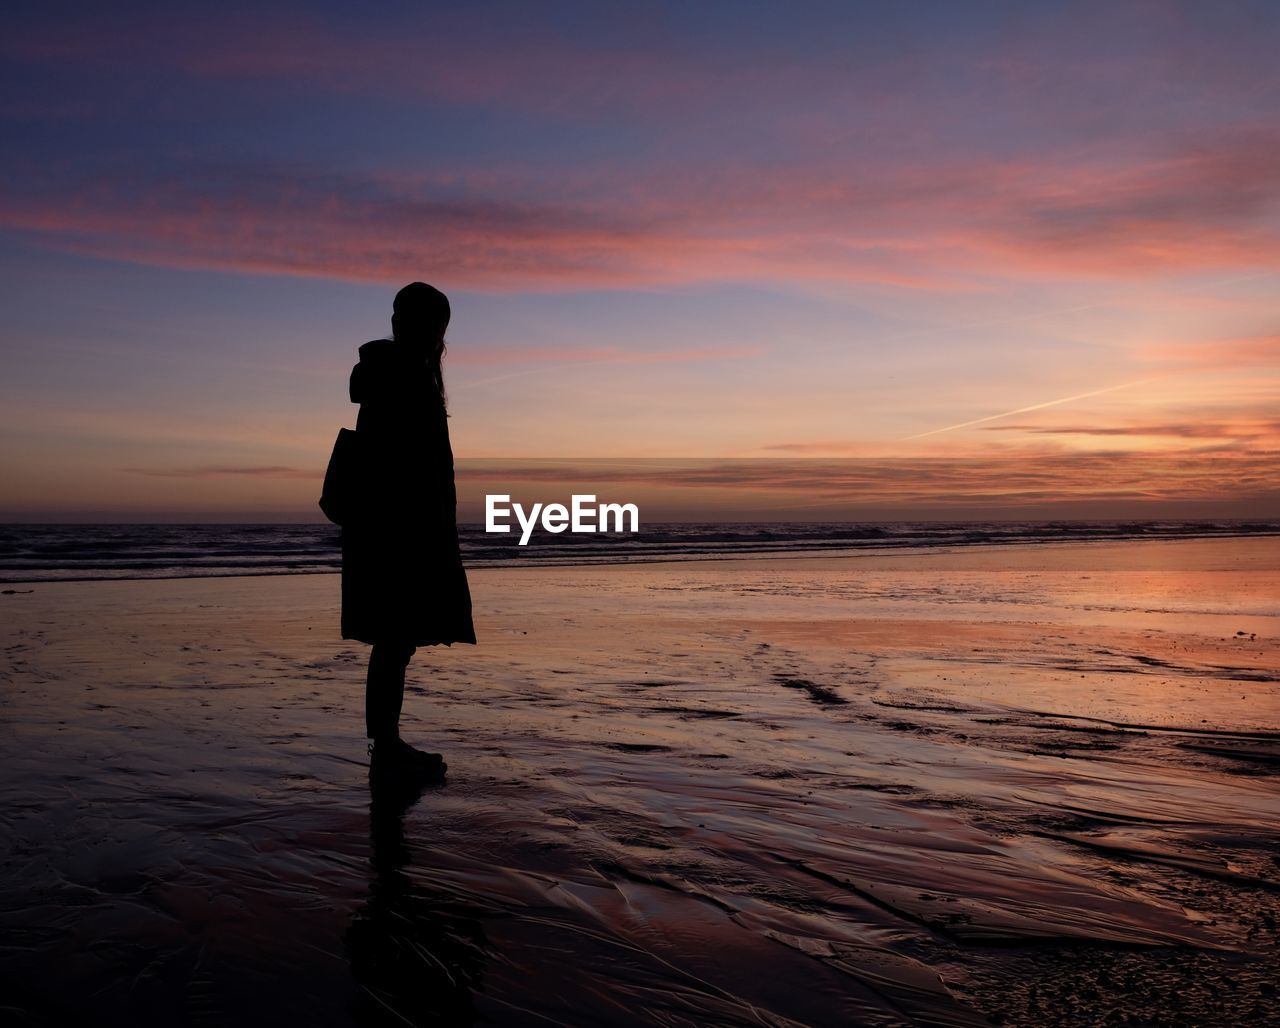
<point>1018,785</point>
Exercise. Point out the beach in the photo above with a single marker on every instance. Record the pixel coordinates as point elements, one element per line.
<point>1024,784</point>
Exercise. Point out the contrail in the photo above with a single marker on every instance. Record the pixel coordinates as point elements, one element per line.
<point>1025,410</point>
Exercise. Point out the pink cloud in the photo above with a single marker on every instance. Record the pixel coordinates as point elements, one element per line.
<point>637,63</point>
<point>507,356</point>
<point>364,230</point>
<point>941,226</point>
<point>222,471</point>
<point>820,447</point>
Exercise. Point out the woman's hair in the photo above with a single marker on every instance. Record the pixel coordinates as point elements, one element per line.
<point>420,314</point>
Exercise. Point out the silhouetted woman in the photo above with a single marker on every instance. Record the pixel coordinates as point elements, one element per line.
<point>403,584</point>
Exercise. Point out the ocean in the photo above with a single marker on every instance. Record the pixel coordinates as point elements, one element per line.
<point>59,552</point>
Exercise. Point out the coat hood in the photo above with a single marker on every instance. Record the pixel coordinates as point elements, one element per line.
<point>378,349</point>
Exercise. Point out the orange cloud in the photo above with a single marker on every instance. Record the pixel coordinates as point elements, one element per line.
<point>1240,429</point>
<point>1022,482</point>
<point>1243,351</point>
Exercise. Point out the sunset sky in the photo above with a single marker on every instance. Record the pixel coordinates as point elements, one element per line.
<point>1015,236</point>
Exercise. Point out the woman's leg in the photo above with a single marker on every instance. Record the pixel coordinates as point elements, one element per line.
<point>384,689</point>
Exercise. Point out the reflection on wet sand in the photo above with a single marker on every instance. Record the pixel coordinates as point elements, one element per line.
<point>1036,786</point>
<point>415,955</point>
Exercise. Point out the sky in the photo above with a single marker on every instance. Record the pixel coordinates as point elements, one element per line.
<point>918,259</point>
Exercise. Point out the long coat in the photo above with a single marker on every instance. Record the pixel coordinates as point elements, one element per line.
<point>402,575</point>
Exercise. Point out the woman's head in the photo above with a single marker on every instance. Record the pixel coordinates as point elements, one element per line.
<point>419,317</point>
